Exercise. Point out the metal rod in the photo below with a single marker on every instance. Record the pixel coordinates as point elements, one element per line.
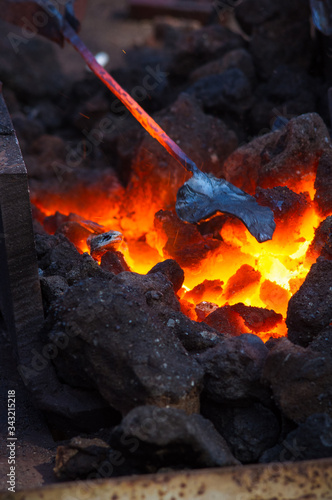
<point>136,110</point>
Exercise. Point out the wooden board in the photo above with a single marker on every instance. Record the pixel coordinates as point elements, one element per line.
<point>20,294</point>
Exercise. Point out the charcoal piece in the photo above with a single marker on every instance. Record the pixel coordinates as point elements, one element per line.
<point>289,92</point>
<point>321,245</point>
<point>285,204</point>
<point>250,13</point>
<point>207,290</point>
<point>166,437</point>
<point>258,319</point>
<point>90,225</point>
<point>188,308</point>
<point>201,46</point>
<point>23,71</point>
<point>239,318</point>
<point>270,42</point>
<point>195,337</point>
<point>226,320</point>
<point>323,184</point>
<point>80,457</point>
<point>37,214</point>
<point>37,227</point>
<point>323,342</point>
<point>272,342</point>
<point>141,61</point>
<point>229,91</point>
<point>114,262</point>
<point>248,430</point>
<point>300,380</point>
<point>52,287</point>
<point>171,269</point>
<point>237,58</point>
<point>59,257</point>
<point>45,243</point>
<point>242,281</point>
<point>75,232</point>
<point>233,369</point>
<point>169,30</point>
<point>103,243</point>
<point>311,440</point>
<point>203,309</point>
<point>53,222</point>
<point>213,226</point>
<point>72,367</point>
<point>288,84</point>
<point>280,158</point>
<point>184,242</point>
<point>157,176</point>
<point>125,338</point>
<point>310,309</point>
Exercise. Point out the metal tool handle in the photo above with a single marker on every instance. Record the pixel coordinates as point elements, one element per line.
<point>136,110</point>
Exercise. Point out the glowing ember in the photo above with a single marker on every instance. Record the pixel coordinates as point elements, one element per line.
<point>203,194</point>
<point>240,269</point>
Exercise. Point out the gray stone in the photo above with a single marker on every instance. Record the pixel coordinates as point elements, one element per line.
<point>233,369</point>
<point>310,309</point>
<point>248,430</point>
<point>300,379</point>
<point>279,158</point>
<point>237,58</point>
<point>58,256</point>
<point>124,343</point>
<point>79,457</point>
<point>171,269</point>
<point>169,437</point>
<point>311,440</point>
<point>229,91</point>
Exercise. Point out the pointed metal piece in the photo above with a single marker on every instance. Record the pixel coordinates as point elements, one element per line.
<point>203,195</point>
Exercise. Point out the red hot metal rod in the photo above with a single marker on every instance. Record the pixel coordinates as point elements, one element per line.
<point>141,116</point>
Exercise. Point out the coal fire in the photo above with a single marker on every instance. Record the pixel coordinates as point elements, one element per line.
<point>223,263</point>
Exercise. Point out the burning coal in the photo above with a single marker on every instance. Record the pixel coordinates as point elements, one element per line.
<point>224,265</point>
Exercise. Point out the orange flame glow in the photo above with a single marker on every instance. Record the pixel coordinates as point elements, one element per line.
<point>272,271</point>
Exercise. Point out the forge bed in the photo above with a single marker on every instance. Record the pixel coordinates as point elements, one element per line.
<point>22,308</point>
<point>22,304</point>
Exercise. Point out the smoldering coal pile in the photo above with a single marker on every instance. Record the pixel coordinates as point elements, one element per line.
<point>180,377</point>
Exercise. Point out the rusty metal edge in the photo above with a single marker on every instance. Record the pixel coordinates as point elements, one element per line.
<point>311,480</point>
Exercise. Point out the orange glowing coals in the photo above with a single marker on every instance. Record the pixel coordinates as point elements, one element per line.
<point>264,275</point>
